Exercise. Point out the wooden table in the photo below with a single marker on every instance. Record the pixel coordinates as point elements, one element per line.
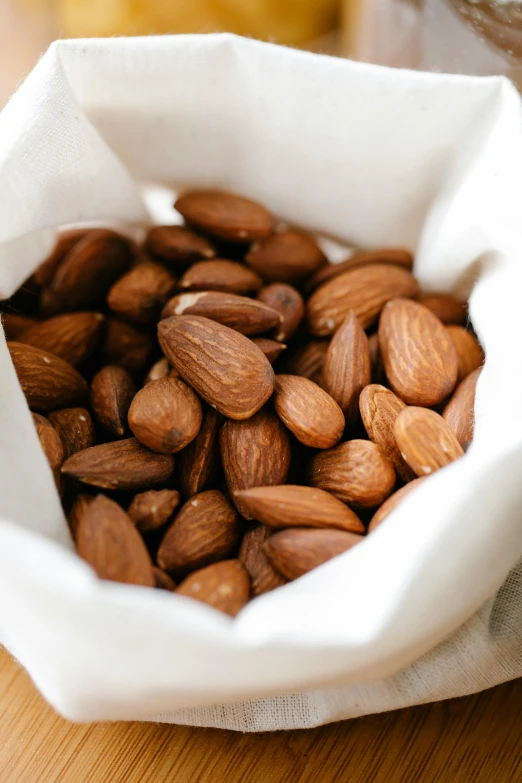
<point>472,740</point>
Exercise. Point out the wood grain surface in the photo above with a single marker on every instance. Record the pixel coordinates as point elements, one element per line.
<point>477,739</point>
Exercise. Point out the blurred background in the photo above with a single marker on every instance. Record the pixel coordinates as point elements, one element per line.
<point>463,36</point>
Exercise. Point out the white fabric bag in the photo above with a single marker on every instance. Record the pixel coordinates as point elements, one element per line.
<point>424,608</point>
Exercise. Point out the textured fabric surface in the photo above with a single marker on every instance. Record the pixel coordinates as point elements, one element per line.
<point>427,607</point>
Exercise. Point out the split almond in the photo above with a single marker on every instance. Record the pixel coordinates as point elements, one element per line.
<point>347,368</point>
<point>459,413</point>
<point>310,413</point>
<point>379,410</point>
<point>287,256</point>
<point>112,391</point>
<point>72,336</point>
<point>221,365</point>
<point>418,355</point>
<point>47,381</point>
<point>224,586</point>
<point>225,215</point>
<point>296,506</point>
<point>75,429</point>
<point>288,302</point>
<point>152,509</point>
<point>425,440</point>
<point>248,316</point>
<point>140,294</point>
<point>109,542</point>
<point>296,552</point>
<point>220,275</point>
<point>470,355</point>
<point>263,577</point>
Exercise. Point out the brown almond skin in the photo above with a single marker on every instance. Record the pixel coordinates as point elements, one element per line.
<point>124,464</point>
<point>224,586</point>
<point>163,580</point>
<point>308,360</point>
<point>419,358</point>
<point>177,245</point>
<point>198,463</point>
<point>288,302</point>
<point>425,440</point>
<point>221,275</point>
<point>75,429</point>
<point>140,294</point>
<point>357,472</point>
<point>296,552</point>
<point>87,272</point>
<point>459,413</point>
<point>392,502</point>
<point>263,577</point>
<point>165,415</point>
<point>112,391</point>
<point>470,355</point>
<point>152,509</point>
<point>15,325</point>
<point>447,308</point>
<point>51,445</point>
<point>65,242</point>
<point>347,367</point>
<point>376,359</point>
<point>205,531</point>
<point>47,381</point>
<point>224,367</point>
<point>225,215</point>
<point>287,256</point>
<point>254,453</point>
<point>395,256</point>
<point>271,348</point>
<point>78,508</point>
<point>364,289</point>
<point>127,346</point>
<point>159,369</point>
<point>109,542</point>
<point>295,506</point>
<point>245,315</point>
<point>379,410</point>
<point>72,336</point>
<point>310,413</point>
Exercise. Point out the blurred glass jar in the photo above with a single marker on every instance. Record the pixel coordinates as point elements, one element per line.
<point>458,36</point>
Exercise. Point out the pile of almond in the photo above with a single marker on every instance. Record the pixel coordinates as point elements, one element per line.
<point>223,409</point>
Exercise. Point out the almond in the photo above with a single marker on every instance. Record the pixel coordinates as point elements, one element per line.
<point>307,360</point>
<point>163,580</point>
<point>357,472</point>
<point>225,215</point>
<point>151,510</point>
<point>245,315</point>
<point>47,381</point>
<point>395,256</point>
<point>199,461</point>
<point>347,368</point>
<point>418,355</point>
<point>255,453</point>
<point>159,369</point>
<point>124,464</point>
<point>87,272</point>
<point>75,429</point>
<point>379,410</point>
<point>165,415</point>
<point>447,308</point>
<point>73,336</point>
<point>205,530</point>
<point>51,445</point>
<point>112,391</point>
<point>263,577</point>
<point>224,586</point>
<point>459,413</point>
<point>286,257</point>
<point>65,242</point>
<point>109,542</point>
<point>392,502</point>
<point>374,347</point>
<point>296,506</point>
<point>78,508</point>
<point>365,290</point>
<point>295,552</point>
<point>271,348</point>
<point>309,412</point>
<point>140,294</point>
<point>425,440</point>
<point>16,324</point>
<point>288,303</point>
<point>177,245</point>
<point>220,275</point>
<point>470,355</point>
<point>223,366</point>
<point>127,346</point>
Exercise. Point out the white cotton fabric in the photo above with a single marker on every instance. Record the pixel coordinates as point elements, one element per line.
<point>430,605</point>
